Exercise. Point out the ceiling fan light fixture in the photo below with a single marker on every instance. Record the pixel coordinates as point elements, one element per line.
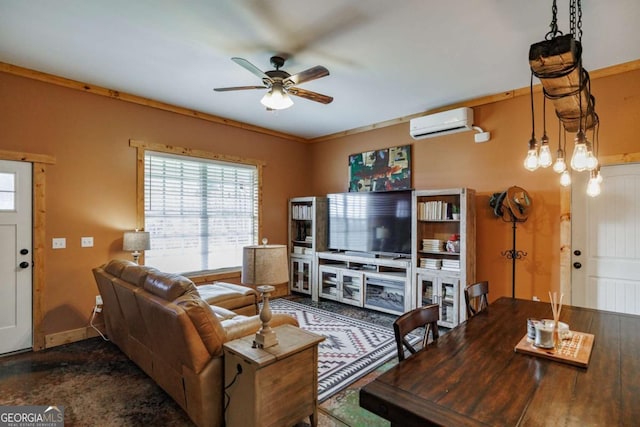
<point>277,98</point>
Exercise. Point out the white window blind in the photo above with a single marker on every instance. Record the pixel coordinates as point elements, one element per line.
<point>199,213</point>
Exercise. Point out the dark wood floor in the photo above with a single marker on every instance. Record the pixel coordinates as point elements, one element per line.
<point>99,386</point>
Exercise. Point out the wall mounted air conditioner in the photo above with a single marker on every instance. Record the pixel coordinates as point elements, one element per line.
<point>444,123</point>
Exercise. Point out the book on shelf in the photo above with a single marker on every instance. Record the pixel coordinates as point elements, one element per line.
<point>451,264</point>
<point>301,212</point>
<point>431,263</point>
<point>435,210</point>
<point>432,245</point>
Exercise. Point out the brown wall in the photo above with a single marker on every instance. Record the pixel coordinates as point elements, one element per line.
<point>90,191</point>
<point>456,161</point>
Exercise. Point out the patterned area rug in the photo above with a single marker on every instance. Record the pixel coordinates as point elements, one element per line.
<point>351,350</point>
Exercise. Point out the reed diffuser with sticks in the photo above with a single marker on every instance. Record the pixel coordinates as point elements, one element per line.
<point>556,308</point>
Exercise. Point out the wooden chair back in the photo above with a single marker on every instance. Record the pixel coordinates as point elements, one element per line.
<point>426,317</point>
<point>475,296</point>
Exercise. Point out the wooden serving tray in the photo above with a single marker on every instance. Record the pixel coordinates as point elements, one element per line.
<point>575,351</point>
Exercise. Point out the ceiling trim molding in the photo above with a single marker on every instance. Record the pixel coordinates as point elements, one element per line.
<point>127,97</point>
<point>123,96</point>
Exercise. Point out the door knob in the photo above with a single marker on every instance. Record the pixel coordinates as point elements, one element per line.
<point>24,251</point>
<point>577,265</point>
<point>24,264</point>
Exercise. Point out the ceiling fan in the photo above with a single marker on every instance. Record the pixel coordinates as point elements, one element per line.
<point>281,84</point>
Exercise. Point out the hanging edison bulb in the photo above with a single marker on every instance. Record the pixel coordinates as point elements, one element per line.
<point>579,157</point>
<point>531,161</point>
<point>598,176</point>
<point>559,165</point>
<point>592,161</point>
<point>593,187</point>
<point>544,157</point>
<point>565,178</point>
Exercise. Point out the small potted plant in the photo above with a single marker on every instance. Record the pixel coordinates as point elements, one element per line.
<point>455,212</point>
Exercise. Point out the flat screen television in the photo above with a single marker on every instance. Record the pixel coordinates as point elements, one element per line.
<point>373,222</point>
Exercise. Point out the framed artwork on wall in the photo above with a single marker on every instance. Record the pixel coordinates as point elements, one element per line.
<point>381,170</point>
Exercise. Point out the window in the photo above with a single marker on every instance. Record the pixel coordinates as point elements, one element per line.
<point>199,212</point>
<point>7,192</point>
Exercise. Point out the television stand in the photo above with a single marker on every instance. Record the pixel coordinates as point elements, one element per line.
<point>365,280</point>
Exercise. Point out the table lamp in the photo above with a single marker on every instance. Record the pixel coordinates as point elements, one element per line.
<point>136,241</point>
<point>265,265</point>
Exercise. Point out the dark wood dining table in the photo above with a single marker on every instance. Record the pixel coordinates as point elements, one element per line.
<point>473,377</point>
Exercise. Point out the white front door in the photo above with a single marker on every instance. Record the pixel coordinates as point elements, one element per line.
<point>16,332</point>
<point>606,241</point>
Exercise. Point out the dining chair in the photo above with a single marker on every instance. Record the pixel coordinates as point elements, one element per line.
<point>475,296</point>
<point>426,317</point>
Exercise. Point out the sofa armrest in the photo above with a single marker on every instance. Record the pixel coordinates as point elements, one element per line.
<point>241,326</point>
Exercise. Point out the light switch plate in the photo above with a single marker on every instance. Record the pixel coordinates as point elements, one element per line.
<point>86,242</point>
<point>59,243</point>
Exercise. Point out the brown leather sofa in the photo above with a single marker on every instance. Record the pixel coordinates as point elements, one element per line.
<point>163,323</point>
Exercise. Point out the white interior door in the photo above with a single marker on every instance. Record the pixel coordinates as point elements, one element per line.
<point>606,241</point>
<point>16,332</point>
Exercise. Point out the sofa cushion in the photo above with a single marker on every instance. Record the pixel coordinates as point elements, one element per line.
<point>136,274</point>
<point>168,286</point>
<point>241,299</point>
<point>223,313</point>
<point>220,292</point>
<point>205,322</point>
<point>115,267</point>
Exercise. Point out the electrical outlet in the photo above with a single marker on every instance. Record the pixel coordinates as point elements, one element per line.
<point>86,242</point>
<point>59,243</point>
<point>98,299</point>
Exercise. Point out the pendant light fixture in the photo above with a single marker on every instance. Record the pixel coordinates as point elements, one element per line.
<point>531,161</point>
<point>557,62</point>
<point>560,166</point>
<point>544,157</point>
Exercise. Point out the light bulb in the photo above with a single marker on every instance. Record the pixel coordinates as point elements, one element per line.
<point>531,161</point>
<point>592,161</point>
<point>559,166</point>
<point>593,187</point>
<point>565,179</point>
<point>599,177</point>
<point>579,157</point>
<point>544,158</point>
<point>277,98</point>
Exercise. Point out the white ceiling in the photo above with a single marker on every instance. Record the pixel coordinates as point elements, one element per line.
<point>387,59</point>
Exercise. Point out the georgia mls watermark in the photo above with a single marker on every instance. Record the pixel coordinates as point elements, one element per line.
<point>31,416</point>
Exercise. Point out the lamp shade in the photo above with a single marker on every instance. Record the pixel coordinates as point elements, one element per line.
<point>277,98</point>
<point>136,241</point>
<point>264,265</point>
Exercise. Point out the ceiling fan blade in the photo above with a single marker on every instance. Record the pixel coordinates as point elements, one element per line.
<point>312,96</point>
<point>226,89</point>
<point>249,66</point>
<point>307,75</point>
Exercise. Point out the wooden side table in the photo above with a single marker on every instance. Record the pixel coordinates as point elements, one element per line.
<point>275,386</point>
